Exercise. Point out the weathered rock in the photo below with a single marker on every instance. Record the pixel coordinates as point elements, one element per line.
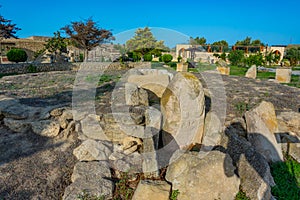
<point>251,72</point>
<point>224,70</point>
<point>17,125</point>
<point>256,178</point>
<point>204,178</point>
<point>48,128</point>
<point>283,75</point>
<point>57,112</point>
<point>261,127</point>
<point>157,83</point>
<point>212,131</point>
<point>182,67</point>
<point>153,118</point>
<point>92,177</point>
<point>131,163</point>
<point>289,125</point>
<point>124,118</point>
<point>131,144</point>
<point>289,122</point>
<point>91,128</point>
<point>64,118</point>
<point>182,106</point>
<point>67,132</point>
<point>91,170</point>
<point>135,96</point>
<point>91,150</point>
<point>152,190</point>
<point>252,167</point>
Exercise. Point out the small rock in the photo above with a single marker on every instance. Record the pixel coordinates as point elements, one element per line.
<point>91,150</point>
<point>152,190</point>
<point>46,128</point>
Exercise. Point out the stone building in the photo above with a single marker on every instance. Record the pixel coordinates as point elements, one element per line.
<point>30,45</point>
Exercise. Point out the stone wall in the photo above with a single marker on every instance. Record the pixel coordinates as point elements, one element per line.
<point>41,67</point>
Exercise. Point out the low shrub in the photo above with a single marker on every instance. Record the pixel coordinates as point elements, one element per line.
<point>167,58</point>
<point>17,55</point>
<point>147,57</point>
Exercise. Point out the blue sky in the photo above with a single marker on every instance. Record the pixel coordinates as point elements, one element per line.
<point>274,22</point>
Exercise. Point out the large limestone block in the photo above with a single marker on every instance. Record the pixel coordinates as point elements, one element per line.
<point>224,70</point>
<point>251,72</point>
<point>205,178</point>
<point>261,128</point>
<point>156,83</point>
<point>183,109</point>
<point>283,75</point>
<point>182,67</point>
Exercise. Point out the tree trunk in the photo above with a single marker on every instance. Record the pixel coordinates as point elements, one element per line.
<point>86,55</point>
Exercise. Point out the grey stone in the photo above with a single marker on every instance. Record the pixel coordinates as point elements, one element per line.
<point>261,127</point>
<point>182,106</point>
<point>204,178</point>
<point>48,128</point>
<point>91,150</point>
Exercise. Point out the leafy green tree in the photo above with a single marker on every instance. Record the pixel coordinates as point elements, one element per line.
<point>147,57</point>
<point>254,59</point>
<point>57,44</point>
<point>248,42</point>
<point>144,42</point>
<point>87,35</point>
<point>221,43</point>
<point>271,58</point>
<point>7,29</point>
<point>236,57</point>
<point>293,55</point>
<point>197,41</point>
<point>17,55</point>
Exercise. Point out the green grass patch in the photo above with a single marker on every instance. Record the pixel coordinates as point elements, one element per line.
<point>174,194</point>
<point>202,68</point>
<point>287,178</point>
<point>102,79</point>
<point>241,196</point>
<point>295,81</point>
<point>238,71</point>
<point>265,75</point>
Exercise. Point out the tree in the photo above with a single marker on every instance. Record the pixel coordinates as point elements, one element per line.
<point>7,29</point>
<point>236,57</point>
<point>221,43</point>
<point>16,55</point>
<point>57,44</point>
<point>271,58</point>
<point>166,58</point>
<point>144,42</point>
<point>87,35</point>
<point>293,55</point>
<point>197,41</point>
<point>254,59</point>
<point>248,42</point>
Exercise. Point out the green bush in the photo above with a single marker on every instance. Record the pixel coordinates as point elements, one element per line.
<point>17,55</point>
<point>236,57</point>
<point>167,58</point>
<point>147,57</point>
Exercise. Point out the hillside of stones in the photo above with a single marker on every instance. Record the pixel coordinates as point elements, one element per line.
<point>136,124</point>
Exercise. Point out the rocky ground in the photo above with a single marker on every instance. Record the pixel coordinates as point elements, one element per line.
<point>37,167</point>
